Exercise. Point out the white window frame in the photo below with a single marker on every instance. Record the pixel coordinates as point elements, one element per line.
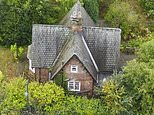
<point>30,66</point>
<point>73,85</point>
<point>72,67</point>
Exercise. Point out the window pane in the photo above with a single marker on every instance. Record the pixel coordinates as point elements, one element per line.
<point>77,85</point>
<point>71,85</point>
<point>74,85</point>
<point>74,68</point>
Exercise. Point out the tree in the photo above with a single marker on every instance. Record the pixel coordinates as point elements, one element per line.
<point>19,15</point>
<point>132,92</point>
<point>92,7</point>
<point>121,14</point>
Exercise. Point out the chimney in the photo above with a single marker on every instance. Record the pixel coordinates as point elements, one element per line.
<point>76,18</point>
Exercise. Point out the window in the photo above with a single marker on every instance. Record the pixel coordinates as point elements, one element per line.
<point>74,68</point>
<point>74,86</point>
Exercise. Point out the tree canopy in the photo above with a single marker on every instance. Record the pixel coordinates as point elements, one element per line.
<point>17,17</point>
<point>132,91</point>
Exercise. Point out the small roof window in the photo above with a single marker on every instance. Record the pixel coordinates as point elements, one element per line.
<point>74,69</point>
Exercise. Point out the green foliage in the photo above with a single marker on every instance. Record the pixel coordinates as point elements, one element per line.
<point>139,79</point>
<point>1,77</point>
<point>92,7</point>
<point>45,97</point>
<point>60,80</point>
<point>81,106</point>
<point>115,97</point>
<point>66,5</point>
<point>146,52</point>
<point>148,6</point>
<point>14,99</point>
<point>132,92</point>
<point>122,15</point>
<point>17,51</point>
<point>133,45</point>
<point>19,15</point>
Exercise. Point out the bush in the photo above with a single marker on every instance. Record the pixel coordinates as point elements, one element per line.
<point>132,92</point>
<point>148,6</point>
<point>120,14</point>
<point>115,97</point>
<point>146,52</point>
<point>45,97</point>
<point>14,99</point>
<point>17,51</point>
<point>132,46</point>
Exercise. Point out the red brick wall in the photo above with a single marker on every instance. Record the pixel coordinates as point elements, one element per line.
<point>83,75</point>
<point>42,75</point>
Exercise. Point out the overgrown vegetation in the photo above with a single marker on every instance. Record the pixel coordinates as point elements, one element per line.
<point>122,15</point>
<point>127,93</point>
<point>133,45</point>
<point>43,99</point>
<point>10,65</point>
<point>132,92</point>
<point>17,17</point>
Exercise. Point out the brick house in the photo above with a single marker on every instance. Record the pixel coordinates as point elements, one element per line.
<point>84,53</point>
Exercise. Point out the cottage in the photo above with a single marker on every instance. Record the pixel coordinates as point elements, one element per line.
<point>85,54</point>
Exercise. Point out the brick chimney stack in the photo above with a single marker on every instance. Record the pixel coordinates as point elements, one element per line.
<point>76,18</point>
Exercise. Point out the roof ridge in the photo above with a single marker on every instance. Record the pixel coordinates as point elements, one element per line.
<point>86,19</point>
<point>62,50</point>
<point>90,54</point>
<point>75,47</point>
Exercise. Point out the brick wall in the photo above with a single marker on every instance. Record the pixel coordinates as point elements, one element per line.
<point>42,75</point>
<point>82,76</point>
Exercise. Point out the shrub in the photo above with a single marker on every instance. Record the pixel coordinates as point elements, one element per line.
<point>121,14</point>
<point>14,99</point>
<point>133,45</point>
<point>45,97</point>
<point>146,52</point>
<point>132,92</point>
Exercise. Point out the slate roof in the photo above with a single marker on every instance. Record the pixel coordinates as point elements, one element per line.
<point>104,44</point>
<point>49,40</point>
<point>86,19</point>
<point>74,47</point>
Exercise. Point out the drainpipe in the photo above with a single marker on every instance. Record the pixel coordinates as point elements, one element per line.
<point>39,75</point>
<point>97,78</point>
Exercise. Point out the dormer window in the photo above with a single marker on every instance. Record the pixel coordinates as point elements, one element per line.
<point>74,69</point>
